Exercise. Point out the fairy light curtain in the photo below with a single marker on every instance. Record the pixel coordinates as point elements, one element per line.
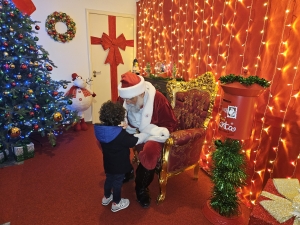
<point>242,37</point>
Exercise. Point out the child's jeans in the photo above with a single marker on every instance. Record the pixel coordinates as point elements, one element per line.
<point>113,183</point>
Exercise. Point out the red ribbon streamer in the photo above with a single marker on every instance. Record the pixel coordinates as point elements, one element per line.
<point>25,6</point>
<point>114,57</point>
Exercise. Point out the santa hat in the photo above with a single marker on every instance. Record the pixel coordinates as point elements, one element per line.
<point>131,85</point>
<point>74,76</point>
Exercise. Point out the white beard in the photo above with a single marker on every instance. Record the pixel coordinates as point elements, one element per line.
<point>138,105</point>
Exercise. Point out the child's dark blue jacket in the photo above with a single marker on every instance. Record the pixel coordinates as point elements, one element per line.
<point>116,144</point>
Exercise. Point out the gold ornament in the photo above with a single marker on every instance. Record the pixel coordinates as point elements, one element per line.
<point>36,64</point>
<point>57,117</point>
<point>30,91</point>
<point>14,132</point>
<point>19,76</point>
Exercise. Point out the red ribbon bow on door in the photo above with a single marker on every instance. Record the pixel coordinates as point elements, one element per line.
<point>113,45</point>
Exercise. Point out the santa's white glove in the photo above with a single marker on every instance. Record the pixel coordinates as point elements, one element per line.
<point>142,137</point>
<point>160,139</point>
<point>160,131</point>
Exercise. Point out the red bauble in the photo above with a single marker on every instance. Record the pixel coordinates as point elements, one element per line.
<point>37,106</point>
<point>6,66</point>
<point>49,68</point>
<point>21,36</point>
<point>5,44</point>
<point>7,115</point>
<point>13,84</point>
<point>26,96</point>
<point>35,127</point>
<point>37,27</point>
<point>23,67</point>
<point>5,2</point>
<point>55,93</point>
<point>11,14</point>
<point>31,113</point>
<point>29,75</point>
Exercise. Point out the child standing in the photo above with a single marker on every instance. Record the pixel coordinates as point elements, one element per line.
<point>115,143</point>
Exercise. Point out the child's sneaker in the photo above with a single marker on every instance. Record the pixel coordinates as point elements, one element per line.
<point>106,201</point>
<point>123,204</point>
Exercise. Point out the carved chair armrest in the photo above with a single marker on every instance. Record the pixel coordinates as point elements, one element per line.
<point>182,137</point>
<point>182,150</point>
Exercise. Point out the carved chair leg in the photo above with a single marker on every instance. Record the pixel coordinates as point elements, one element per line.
<point>162,180</point>
<point>196,171</point>
<point>135,158</point>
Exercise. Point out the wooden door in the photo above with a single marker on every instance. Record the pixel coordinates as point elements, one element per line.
<point>99,71</point>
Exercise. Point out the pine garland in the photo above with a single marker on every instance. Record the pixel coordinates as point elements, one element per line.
<point>152,76</point>
<point>244,80</point>
<point>228,174</point>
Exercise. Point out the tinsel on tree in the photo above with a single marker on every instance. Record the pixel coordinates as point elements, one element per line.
<point>30,101</point>
<point>228,174</point>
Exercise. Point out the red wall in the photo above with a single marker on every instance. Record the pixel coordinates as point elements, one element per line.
<point>244,37</point>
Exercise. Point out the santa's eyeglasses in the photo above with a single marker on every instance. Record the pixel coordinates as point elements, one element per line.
<point>129,99</point>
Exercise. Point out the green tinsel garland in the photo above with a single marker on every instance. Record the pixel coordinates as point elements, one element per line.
<point>244,80</point>
<point>228,174</point>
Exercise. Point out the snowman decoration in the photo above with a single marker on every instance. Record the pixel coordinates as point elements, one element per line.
<point>82,99</point>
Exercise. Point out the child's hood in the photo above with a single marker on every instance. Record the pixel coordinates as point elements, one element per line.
<point>106,134</point>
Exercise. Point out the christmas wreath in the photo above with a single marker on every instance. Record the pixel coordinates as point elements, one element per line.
<point>55,17</point>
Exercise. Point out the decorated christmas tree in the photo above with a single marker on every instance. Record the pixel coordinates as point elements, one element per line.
<point>30,101</point>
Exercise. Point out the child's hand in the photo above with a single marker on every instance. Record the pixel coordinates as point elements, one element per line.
<point>123,124</point>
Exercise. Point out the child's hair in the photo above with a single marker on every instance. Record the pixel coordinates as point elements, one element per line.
<point>112,114</point>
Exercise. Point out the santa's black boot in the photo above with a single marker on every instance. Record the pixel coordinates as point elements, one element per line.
<point>143,179</point>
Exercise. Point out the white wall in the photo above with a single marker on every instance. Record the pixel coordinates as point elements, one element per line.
<point>72,57</point>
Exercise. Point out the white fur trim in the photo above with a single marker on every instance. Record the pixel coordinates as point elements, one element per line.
<point>132,91</point>
<point>148,128</point>
<point>148,106</point>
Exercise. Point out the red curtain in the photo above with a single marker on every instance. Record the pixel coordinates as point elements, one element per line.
<point>235,37</point>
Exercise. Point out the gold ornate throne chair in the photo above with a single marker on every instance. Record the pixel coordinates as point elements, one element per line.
<point>192,102</point>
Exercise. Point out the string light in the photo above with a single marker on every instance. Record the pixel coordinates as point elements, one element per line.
<point>230,36</point>
<point>246,39</point>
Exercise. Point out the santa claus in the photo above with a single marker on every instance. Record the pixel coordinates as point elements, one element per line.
<point>82,99</point>
<point>149,112</point>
